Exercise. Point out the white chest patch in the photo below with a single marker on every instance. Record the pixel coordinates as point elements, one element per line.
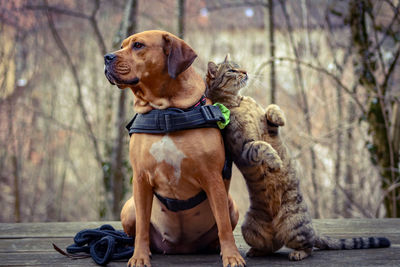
<point>166,150</point>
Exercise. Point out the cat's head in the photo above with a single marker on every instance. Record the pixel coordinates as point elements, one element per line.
<point>225,77</point>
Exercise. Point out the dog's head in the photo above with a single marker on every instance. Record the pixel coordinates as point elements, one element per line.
<point>147,61</point>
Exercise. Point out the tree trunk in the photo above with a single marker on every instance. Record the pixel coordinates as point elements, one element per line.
<point>271,30</point>
<point>382,147</point>
<point>306,113</point>
<point>339,148</point>
<point>128,27</point>
<point>348,159</point>
<point>395,129</point>
<point>117,158</point>
<point>181,18</point>
<point>17,199</point>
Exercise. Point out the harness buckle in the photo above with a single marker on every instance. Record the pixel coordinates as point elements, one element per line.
<point>212,113</point>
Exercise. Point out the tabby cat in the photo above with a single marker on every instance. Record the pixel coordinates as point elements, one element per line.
<point>278,214</point>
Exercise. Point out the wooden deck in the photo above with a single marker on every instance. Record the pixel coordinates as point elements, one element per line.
<point>30,244</point>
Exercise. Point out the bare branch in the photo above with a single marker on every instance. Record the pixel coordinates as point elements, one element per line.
<point>74,71</point>
<point>395,9</point>
<point>72,13</point>
<point>320,69</point>
<point>46,8</point>
<point>388,191</point>
<point>235,5</point>
<point>380,91</point>
<point>389,27</point>
<point>391,69</point>
<point>354,203</point>
<point>378,46</point>
<point>93,22</point>
<point>304,105</point>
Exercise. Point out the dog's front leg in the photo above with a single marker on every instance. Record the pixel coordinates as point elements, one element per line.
<point>143,197</point>
<point>218,198</point>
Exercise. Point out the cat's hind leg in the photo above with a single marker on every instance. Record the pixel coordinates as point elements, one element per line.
<point>259,235</point>
<point>294,227</point>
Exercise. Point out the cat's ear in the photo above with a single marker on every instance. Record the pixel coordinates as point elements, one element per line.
<point>212,69</point>
<point>226,58</point>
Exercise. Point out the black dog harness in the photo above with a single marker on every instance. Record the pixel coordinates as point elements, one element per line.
<point>174,119</point>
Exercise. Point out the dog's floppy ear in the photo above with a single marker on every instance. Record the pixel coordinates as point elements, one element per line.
<point>180,55</point>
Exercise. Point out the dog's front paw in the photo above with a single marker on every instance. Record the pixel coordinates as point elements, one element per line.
<point>275,115</point>
<point>233,259</point>
<point>139,259</point>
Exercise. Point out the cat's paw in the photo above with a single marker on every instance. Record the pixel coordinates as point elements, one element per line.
<point>275,115</point>
<point>298,255</point>
<point>273,162</point>
<point>260,152</point>
<point>267,155</point>
<point>270,158</point>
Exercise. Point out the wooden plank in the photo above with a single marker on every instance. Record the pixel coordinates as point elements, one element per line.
<point>42,259</point>
<point>325,226</point>
<point>52,229</point>
<point>30,245</point>
<point>45,244</point>
<point>25,245</point>
<point>356,258</point>
<point>332,227</point>
<point>346,228</point>
<point>355,226</point>
<point>372,257</point>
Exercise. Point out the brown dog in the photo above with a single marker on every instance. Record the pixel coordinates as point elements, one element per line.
<point>156,65</point>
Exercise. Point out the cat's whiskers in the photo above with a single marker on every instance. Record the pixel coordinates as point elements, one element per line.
<point>257,82</point>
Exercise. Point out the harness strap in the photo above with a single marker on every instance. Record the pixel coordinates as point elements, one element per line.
<point>174,119</point>
<point>179,205</point>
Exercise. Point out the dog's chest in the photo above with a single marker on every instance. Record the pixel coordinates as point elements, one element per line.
<point>165,151</point>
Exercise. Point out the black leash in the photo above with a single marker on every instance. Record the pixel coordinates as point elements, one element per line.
<point>104,244</point>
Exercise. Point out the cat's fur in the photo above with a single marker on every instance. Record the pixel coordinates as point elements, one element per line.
<point>278,214</point>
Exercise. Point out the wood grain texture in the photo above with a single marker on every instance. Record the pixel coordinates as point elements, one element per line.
<point>30,244</point>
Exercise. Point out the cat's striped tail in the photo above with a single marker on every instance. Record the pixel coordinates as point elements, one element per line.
<point>325,243</point>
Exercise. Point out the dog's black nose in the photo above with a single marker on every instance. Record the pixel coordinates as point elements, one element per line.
<point>109,58</point>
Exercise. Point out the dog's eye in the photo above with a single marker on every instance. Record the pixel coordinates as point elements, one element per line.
<point>137,45</point>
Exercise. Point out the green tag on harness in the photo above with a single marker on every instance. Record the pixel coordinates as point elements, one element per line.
<point>226,113</point>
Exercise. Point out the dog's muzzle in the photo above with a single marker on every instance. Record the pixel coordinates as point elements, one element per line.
<point>109,61</point>
<point>109,58</point>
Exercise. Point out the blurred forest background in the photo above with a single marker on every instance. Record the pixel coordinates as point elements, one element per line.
<point>332,66</point>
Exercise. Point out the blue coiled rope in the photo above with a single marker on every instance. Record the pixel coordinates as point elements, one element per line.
<point>104,244</point>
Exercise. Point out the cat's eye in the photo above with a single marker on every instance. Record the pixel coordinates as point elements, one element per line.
<point>232,70</point>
